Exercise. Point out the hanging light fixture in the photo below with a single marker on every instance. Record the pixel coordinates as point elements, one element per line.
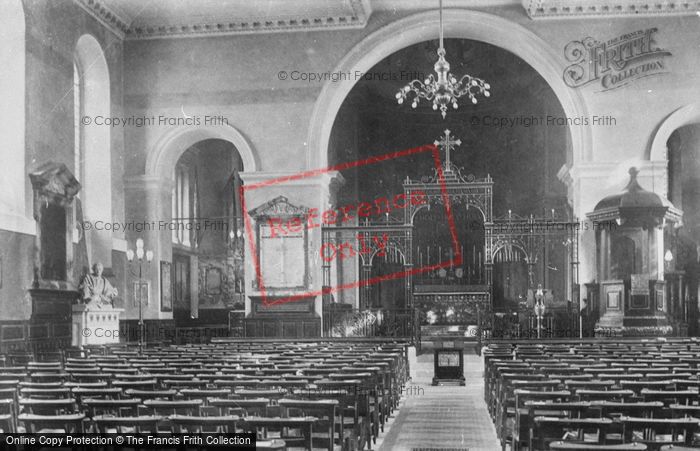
<point>445,89</point>
<point>668,256</point>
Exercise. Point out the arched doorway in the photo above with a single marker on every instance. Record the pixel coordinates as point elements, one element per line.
<point>207,234</point>
<point>389,294</point>
<point>510,279</point>
<point>220,151</point>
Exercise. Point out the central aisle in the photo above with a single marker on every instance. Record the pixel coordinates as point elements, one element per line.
<point>443,417</point>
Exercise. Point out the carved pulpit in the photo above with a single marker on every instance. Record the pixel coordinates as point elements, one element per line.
<point>54,289</point>
<point>630,272</point>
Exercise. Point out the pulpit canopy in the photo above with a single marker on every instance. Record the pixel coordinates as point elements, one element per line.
<point>633,207</point>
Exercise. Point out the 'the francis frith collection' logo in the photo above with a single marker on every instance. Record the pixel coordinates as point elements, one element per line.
<point>615,62</point>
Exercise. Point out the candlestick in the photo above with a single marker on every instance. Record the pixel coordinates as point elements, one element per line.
<point>480,266</point>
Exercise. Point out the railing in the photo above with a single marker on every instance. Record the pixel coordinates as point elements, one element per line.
<point>556,323</point>
<point>401,323</point>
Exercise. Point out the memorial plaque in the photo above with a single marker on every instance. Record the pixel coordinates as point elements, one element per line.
<point>280,258</point>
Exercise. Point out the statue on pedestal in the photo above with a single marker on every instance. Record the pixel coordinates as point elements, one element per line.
<point>95,290</point>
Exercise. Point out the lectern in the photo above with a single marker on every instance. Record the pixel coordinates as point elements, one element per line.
<point>449,365</point>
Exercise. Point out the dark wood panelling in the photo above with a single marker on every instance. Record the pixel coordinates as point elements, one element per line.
<point>207,317</point>
<point>283,327</point>
<point>35,337</point>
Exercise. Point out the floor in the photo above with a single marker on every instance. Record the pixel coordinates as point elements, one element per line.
<point>443,418</point>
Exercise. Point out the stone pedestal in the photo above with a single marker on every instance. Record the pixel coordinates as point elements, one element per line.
<point>94,326</point>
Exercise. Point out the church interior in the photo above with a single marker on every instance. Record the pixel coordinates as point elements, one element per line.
<point>352,224</point>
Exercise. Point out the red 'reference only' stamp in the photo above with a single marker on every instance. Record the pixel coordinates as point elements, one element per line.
<point>346,215</point>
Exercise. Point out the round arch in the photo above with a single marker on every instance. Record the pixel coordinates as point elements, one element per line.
<point>685,115</point>
<point>459,23</point>
<point>169,148</point>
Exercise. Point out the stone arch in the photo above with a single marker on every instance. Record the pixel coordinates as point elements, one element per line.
<point>169,148</point>
<point>688,114</point>
<point>459,23</point>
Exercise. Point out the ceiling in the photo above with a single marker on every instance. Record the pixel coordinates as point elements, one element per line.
<point>149,19</point>
<point>143,19</point>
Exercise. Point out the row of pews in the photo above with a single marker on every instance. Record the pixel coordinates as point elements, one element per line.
<point>625,395</point>
<point>311,395</point>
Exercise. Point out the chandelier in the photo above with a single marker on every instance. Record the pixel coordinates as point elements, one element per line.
<point>445,89</point>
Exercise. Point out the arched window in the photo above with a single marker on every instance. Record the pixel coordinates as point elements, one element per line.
<point>184,205</point>
<point>14,183</point>
<point>92,150</point>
